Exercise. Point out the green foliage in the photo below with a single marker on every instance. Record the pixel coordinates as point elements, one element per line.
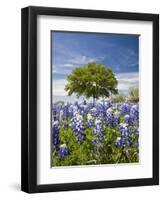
<point>119,98</point>
<point>94,80</point>
<point>134,94</point>
<point>60,102</point>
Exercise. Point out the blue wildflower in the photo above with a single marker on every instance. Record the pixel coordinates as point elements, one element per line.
<point>94,112</point>
<point>80,137</point>
<point>98,130</point>
<point>125,108</point>
<point>77,123</point>
<point>135,111</point>
<point>115,120</point>
<point>78,127</point>
<point>95,141</point>
<point>89,120</point>
<point>109,116</point>
<point>129,119</point>
<point>137,144</point>
<point>55,133</point>
<point>63,151</point>
<point>120,142</point>
<point>123,129</point>
<point>137,131</point>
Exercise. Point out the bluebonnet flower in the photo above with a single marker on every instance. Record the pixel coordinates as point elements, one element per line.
<point>98,126</point>
<point>135,111</point>
<point>125,108</point>
<point>94,112</point>
<point>130,143</point>
<point>83,109</point>
<point>123,129</point>
<point>107,104</point>
<point>121,142</point>
<point>89,120</point>
<point>56,108</point>
<point>126,136</point>
<point>112,119</point>
<point>109,116</point>
<point>101,110</point>
<point>118,141</point>
<point>98,129</point>
<point>61,115</point>
<point>63,151</point>
<point>80,137</point>
<point>65,110</point>
<point>55,133</point>
<point>70,111</point>
<point>137,144</point>
<point>125,139</point>
<point>95,141</point>
<point>115,120</point>
<point>78,127</point>
<point>75,108</point>
<point>137,131</point>
<point>77,123</point>
<point>130,130</point>
<point>129,119</point>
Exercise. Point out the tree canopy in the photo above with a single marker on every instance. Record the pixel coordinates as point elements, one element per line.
<point>93,80</point>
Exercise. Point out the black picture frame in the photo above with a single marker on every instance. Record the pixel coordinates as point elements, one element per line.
<point>29,99</point>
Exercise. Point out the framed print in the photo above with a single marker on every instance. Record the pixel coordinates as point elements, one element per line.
<point>90,99</point>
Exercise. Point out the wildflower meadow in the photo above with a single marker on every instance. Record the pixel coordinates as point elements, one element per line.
<point>95,133</point>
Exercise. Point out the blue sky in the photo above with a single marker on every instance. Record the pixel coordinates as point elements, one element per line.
<point>72,49</point>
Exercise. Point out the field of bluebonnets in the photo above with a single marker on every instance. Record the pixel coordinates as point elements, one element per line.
<point>103,132</point>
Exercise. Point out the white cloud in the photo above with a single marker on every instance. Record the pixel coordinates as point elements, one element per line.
<point>68,65</point>
<point>58,87</point>
<point>61,68</point>
<point>127,80</point>
<point>79,60</point>
<point>82,60</point>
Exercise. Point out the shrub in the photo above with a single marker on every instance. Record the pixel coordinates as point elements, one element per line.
<point>134,94</point>
<point>119,98</point>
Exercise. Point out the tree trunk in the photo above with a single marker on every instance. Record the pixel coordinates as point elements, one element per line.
<point>94,100</point>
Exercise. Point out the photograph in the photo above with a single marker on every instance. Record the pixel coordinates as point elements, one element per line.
<point>95,98</point>
<point>89,99</point>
